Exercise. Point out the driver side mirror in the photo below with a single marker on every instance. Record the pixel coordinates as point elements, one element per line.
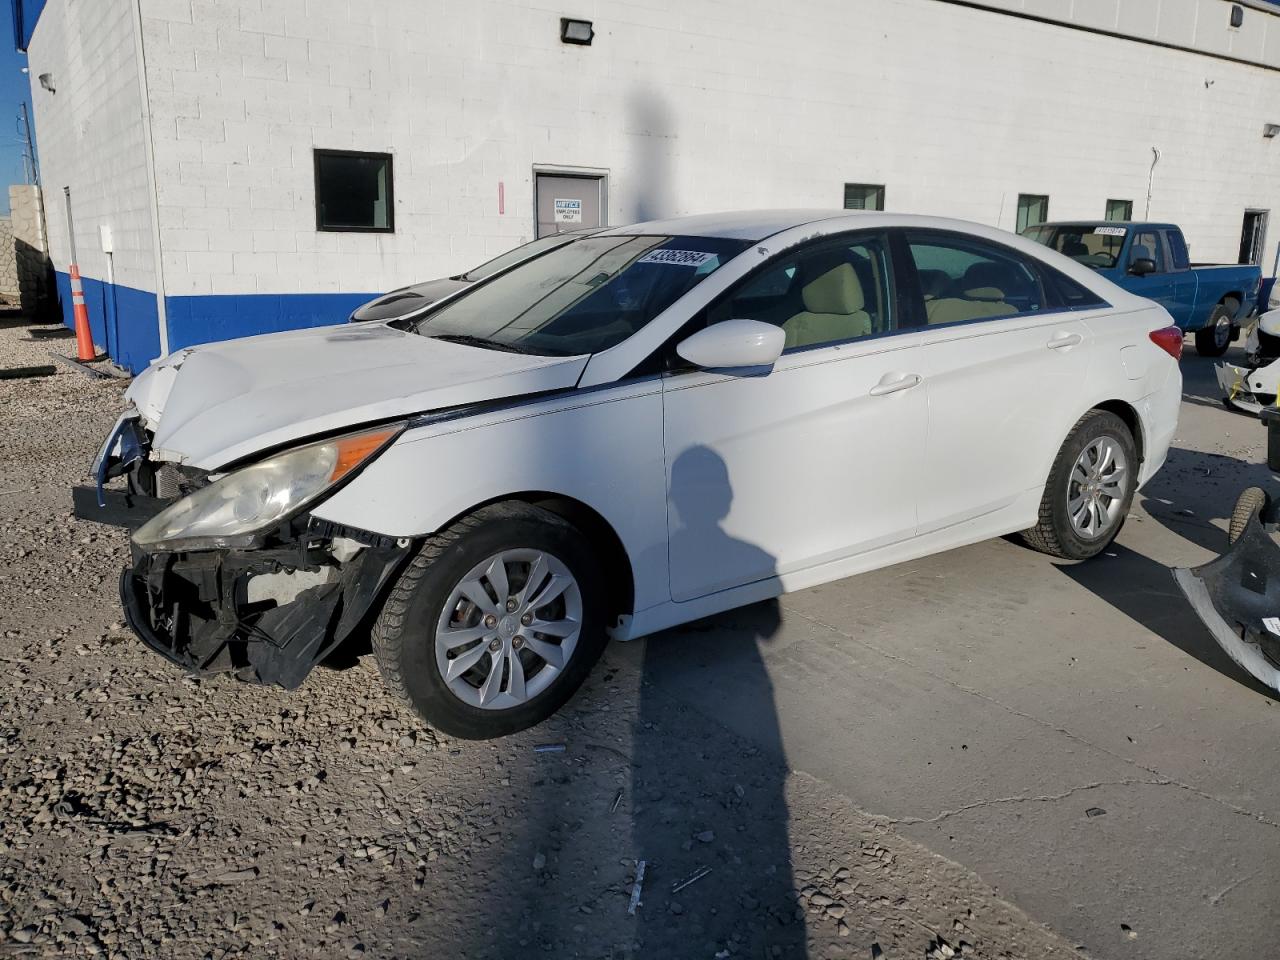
<point>734,343</point>
<point>1142,266</point>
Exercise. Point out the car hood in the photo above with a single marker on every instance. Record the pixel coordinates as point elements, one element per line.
<point>402,302</point>
<point>212,405</point>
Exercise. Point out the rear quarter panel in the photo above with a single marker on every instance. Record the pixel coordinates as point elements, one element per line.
<point>1130,368</point>
<point>1215,282</point>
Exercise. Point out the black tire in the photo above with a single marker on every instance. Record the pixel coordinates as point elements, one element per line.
<point>405,632</point>
<point>1214,338</point>
<point>1251,501</point>
<point>1054,534</point>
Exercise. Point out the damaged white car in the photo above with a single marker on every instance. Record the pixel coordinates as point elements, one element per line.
<point>642,428</point>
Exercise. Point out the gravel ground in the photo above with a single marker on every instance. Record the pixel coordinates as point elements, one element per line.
<point>148,814</point>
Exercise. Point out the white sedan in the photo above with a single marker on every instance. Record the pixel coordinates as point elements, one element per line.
<point>642,428</point>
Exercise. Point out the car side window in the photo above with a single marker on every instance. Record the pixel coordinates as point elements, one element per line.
<point>825,293</point>
<point>1178,250</point>
<point>964,280</point>
<point>1147,245</point>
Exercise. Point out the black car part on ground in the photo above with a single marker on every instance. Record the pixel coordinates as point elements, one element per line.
<point>192,608</point>
<point>1238,597</point>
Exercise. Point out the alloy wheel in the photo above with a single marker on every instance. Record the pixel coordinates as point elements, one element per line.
<point>508,629</point>
<point>1096,488</point>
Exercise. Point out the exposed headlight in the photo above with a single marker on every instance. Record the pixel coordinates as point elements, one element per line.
<point>229,512</point>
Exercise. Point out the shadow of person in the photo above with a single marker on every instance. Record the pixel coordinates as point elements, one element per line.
<point>704,798</point>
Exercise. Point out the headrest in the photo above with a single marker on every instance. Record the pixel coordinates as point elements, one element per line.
<point>934,283</point>
<point>1140,251</point>
<point>837,291</point>
<point>986,274</point>
<point>1075,248</point>
<point>984,293</point>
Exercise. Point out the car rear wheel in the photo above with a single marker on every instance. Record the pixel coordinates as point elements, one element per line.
<point>1090,489</point>
<point>1213,339</point>
<point>495,623</point>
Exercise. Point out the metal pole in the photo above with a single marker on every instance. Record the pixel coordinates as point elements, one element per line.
<point>30,155</point>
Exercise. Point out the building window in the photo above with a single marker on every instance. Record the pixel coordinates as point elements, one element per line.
<point>353,192</point>
<point>864,196</point>
<point>1119,209</point>
<point>1032,209</point>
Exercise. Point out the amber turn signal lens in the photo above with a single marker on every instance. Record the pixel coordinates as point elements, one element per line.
<point>355,450</point>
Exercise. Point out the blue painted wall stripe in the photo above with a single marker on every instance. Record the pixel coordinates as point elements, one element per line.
<point>124,320</point>
<point>203,319</point>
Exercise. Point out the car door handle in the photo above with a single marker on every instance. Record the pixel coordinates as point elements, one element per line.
<point>1060,341</point>
<point>884,388</point>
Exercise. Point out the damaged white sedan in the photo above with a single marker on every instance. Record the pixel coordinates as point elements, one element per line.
<point>642,428</point>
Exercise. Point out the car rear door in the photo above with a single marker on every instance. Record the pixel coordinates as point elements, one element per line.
<point>1004,365</point>
<point>775,471</point>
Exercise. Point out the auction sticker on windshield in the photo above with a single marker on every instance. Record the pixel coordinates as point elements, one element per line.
<point>1110,231</point>
<point>677,258</point>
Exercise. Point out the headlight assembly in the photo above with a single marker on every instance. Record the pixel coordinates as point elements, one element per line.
<point>229,512</point>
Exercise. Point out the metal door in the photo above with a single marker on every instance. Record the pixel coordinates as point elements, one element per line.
<point>568,202</point>
<point>1252,235</point>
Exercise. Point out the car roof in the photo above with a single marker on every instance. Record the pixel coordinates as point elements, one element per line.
<point>738,225</point>
<point>1107,223</point>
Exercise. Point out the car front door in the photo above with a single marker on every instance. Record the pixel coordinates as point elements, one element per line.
<point>1004,362</point>
<point>1147,244</point>
<point>818,458</point>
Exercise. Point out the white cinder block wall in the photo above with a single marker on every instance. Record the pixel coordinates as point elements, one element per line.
<point>90,138</point>
<point>690,105</point>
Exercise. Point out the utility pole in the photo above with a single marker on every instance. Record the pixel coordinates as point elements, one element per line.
<point>30,171</point>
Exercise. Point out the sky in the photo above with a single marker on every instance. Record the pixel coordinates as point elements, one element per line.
<point>14,91</point>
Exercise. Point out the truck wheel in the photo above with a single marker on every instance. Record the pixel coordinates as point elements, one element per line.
<point>1214,338</point>
<point>1089,490</point>
<point>494,623</point>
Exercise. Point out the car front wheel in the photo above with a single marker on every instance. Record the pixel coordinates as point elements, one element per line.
<point>495,622</point>
<point>1090,489</point>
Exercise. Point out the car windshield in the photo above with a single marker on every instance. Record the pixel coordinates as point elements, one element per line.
<point>584,297</point>
<point>1095,245</point>
<point>533,248</point>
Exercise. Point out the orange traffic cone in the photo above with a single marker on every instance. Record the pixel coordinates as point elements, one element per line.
<point>84,336</point>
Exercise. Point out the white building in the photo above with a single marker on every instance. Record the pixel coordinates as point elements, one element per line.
<point>194,131</point>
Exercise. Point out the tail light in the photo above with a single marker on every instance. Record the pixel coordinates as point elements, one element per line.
<point>1168,339</point>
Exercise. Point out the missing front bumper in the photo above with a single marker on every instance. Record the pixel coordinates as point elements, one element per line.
<point>1237,597</point>
<point>196,610</point>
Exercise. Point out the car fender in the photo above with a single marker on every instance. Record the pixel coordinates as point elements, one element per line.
<point>602,448</point>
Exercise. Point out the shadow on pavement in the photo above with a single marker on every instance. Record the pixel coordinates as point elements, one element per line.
<point>628,773</point>
<point>1191,492</point>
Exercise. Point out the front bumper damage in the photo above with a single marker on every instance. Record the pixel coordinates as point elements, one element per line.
<point>267,615</point>
<point>1238,598</point>
<point>1249,388</point>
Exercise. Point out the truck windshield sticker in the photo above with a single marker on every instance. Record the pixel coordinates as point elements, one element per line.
<point>677,258</point>
<point>1110,231</point>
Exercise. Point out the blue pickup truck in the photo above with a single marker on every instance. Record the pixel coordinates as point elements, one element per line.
<point>1150,259</point>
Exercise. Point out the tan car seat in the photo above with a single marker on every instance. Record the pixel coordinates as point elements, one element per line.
<point>834,309</point>
<point>980,298</point>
